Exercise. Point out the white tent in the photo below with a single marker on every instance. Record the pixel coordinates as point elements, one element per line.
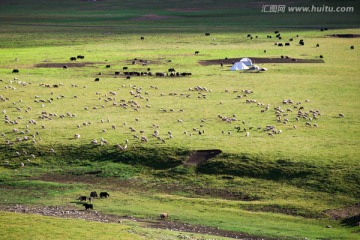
<point>238,66</point>
<point>246,61</point>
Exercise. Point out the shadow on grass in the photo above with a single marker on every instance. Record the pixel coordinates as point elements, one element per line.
<point>351,221</point>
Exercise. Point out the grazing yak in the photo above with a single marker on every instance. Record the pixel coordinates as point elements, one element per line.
<point>82,198</point>
<point>15,71</point>
<point>97,79</point>
<point>88,205</point>
<point>64,67</point>
<point>104,194</point>
<point>197,52</point>
<point>108,66</point>
<point>93,194</point>
<point>163,216</point>
<point>73,59</point>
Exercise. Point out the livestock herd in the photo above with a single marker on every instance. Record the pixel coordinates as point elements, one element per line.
<point>92,196</point>
<point>285,113</point>
<point>293,113</point>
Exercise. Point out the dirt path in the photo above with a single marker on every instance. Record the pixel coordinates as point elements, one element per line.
<point>71,212</point>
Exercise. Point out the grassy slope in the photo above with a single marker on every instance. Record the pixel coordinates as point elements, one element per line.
<point>322,159</point>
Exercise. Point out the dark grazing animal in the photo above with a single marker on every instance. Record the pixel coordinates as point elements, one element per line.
<point>163,216</point>
<point>93,194</point>
<point>287,44</point>
<point>108,66</point>
<point>82,198</point>
<point>197,52</point>
<point>15,71</point>
<point>73,59</point>
<point>88,206</point>
<point>104,194</point>
<point>207,34</point>
<point>97,79</point>
<point>125,68</point>
<point>64,67</point>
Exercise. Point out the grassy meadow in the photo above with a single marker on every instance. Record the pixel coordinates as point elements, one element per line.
<point>279,186</point>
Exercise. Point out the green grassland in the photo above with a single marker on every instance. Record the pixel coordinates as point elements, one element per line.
<point>274,186</point>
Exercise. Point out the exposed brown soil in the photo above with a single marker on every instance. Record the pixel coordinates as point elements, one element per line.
<point>60,65</point>
<point>201,156</point>
<point>93,215</point>
<point>257,60</point>
<point>345,35</point>
<point>342,213</point>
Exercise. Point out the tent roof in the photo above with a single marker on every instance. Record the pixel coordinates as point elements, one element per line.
<point>246,61</point>
<point>239,66</point>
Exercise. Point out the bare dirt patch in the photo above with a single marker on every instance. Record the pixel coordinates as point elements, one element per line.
<point>74,213</point>
<point>201,156</point>
<point>257,60</point>
<point>345,35</point>
<point>342,213</point>
<point>60,65</point>
<point>349,216</point>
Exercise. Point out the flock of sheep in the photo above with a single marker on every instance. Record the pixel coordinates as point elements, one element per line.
<point>29,120</point>
<point>289,112</point>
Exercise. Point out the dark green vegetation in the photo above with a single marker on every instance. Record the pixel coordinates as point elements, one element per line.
<point>285,185</point>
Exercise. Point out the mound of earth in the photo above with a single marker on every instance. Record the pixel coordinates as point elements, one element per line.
<point>71,212</point>
<point>257,60</point>
<point>343,213</point>
<point>60,65</point>
<point>345,35</point>
<point>201,156</point>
